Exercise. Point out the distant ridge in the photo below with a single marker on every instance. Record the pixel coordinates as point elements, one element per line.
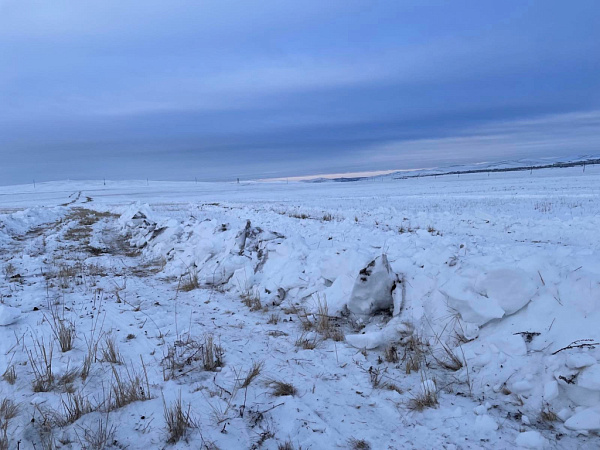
<point>555,165</point>
<point>503,166</point>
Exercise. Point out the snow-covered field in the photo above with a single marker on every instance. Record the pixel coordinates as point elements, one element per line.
<point>449,312</point>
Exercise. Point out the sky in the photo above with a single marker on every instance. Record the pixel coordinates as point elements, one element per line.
<point>221,89</point>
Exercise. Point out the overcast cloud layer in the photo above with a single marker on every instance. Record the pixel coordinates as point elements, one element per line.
<point>255,89</point>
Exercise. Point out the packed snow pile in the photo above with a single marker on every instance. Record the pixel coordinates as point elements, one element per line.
<point>18,223</point>
<point>481,297</point>
<point>373,289</point>
<point>504,319</point>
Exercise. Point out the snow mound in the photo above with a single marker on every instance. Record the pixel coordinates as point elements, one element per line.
<point>372,291</point>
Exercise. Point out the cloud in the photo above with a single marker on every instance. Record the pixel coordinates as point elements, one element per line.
<point>277,86</point>
<point>549,135</point>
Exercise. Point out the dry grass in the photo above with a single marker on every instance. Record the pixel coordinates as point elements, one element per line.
<point>40,360</point>
<point>188,350</point>
<point>212,354</point>
<point>8,411</point>
<point>444,356</point>
<point>547,415</point>
<point>92,351</point>
<point>391,354</point>
<point>66,380</point>
<point>131,387</point>
<point>252,374</point>
<point>66,275</point>
<point>281,388</point>
<point>10,375</point>
<point>252,300</point>
<point>414,353</point>
<point>180,354</point>
<point>9,270</point>
<point>100,437</point>
<point>110,351</point>
<point>337,335</point>
<point>273,319</point>
<point>322,322</point>
<point>358,444</point>
<point>177,419</point>
<point>188,282</point>
<point>376,377</point>
<point>47,441</point>
<point>448,360</point>
<point>426,398</point>
<point>305,319</point>
<point>299,215</point>
<point>63,330</point>
<point>73,408</point>
<point>423,401</point>
<point>307,343</point>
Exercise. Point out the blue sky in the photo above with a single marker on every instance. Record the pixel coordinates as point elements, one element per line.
<point>255,89</point>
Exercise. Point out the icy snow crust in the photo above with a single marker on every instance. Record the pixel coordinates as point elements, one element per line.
<point>497,274</point>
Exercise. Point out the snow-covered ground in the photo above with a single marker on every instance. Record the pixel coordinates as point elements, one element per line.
<point>449,312</point>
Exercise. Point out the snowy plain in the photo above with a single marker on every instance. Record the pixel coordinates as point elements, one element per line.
<point>452,312</point>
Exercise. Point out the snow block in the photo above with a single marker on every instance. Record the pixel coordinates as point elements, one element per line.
<point>550,390</point>
<point>372,291</point>
<point>589,378</point>
<point>586,420</point>
<point>510,289</point>
<point>579,361</point>
<point>474,308</point>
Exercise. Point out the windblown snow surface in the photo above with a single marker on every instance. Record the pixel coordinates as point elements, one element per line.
<point>424,313</point>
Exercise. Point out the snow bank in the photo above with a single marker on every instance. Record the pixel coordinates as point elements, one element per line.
<point>512,313</point>
<point>21,222</point>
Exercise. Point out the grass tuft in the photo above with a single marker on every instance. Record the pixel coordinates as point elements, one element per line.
<point>177,419</point>
<point>40,360</point>
<point>8,411</point>
<point>281,388</point>
<point>110,351</point>
<point>63,331</point>
<point>131,387</point>
<point>307,343</point>
<point>10,375</point>
<point>253,373</point>
<point>358,444</point>
<point>188,282</point>
<point>426,398</point>
<point>100,437</point>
